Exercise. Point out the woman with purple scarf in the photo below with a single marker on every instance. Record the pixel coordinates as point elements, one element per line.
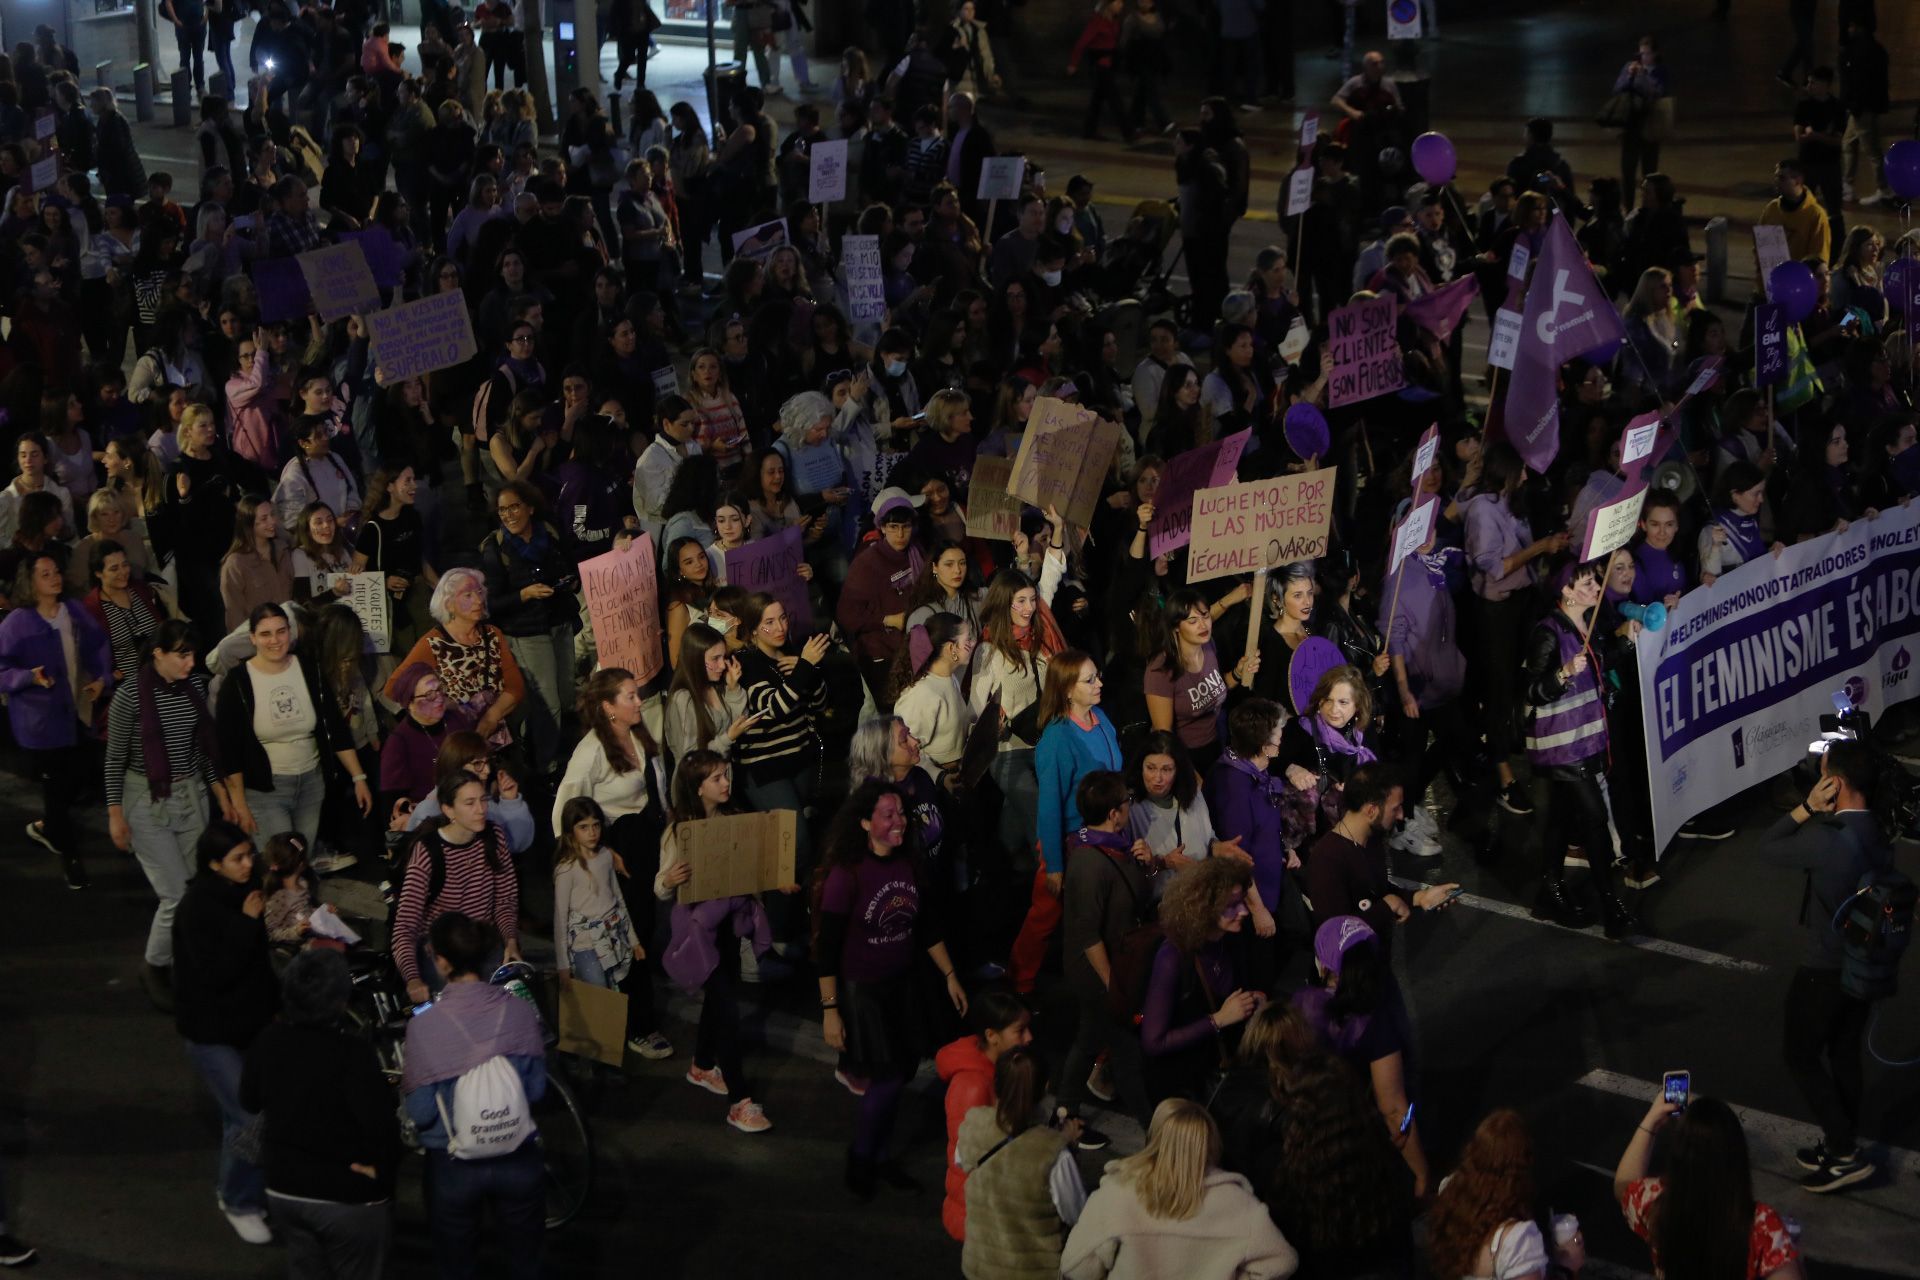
<point>1320,748</point>
<point>1566,742</point>
<point>474,1022</point>
<point>1245,803</point>
<point>1732,535</point>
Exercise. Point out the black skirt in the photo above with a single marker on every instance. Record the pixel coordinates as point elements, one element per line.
<point>886,1027</point>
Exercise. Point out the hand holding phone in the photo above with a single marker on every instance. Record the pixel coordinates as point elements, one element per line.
<point>1676,1087</point>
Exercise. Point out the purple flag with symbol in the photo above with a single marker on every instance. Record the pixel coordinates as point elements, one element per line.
<point>1769,344</point>
<point>1567,315</point>
<point>1438,312</point>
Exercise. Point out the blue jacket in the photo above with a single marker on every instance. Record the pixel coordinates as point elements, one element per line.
<point>1067,753</point>
<point>47,718</point>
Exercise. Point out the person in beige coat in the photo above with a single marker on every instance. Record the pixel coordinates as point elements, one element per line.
<point>1172,1211</point>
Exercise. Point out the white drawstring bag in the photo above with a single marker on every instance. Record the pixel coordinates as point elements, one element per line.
<point>490,1112</point>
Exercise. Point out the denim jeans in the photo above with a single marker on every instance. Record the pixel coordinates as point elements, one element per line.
<point>459,1191</point>
<point>292,805</point>
<point>192,40</point>
<point>164,835</point>
<point>242,1184</point>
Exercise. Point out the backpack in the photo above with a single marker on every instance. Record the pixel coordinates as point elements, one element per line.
<point>1875,925</point>
<point>491,1116</point>
<point>483,401</point>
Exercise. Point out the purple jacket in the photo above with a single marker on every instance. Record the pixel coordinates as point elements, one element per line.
<point>1246,804</point>
<point>1493,534</point>
<point>47,718</point>
<point>1425,630</point>
<point>694,952</point>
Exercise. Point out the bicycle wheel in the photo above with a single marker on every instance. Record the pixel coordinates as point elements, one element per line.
<point>566,1147</point>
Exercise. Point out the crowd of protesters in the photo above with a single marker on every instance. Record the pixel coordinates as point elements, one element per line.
<point>182,545</point>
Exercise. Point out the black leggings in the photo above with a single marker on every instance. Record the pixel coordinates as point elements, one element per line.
<point>717,1041</point>
<point>63,771</point>
<point>1577,813</point>
<point>1421,748</point>
<point>636,838</point>
<point>1502,625</point>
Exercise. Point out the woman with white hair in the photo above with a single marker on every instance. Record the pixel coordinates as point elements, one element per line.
<point>817,469</point>
<point>471,656</point>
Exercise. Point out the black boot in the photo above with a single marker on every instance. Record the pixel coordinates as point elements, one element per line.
<point>859,1175</point>
<point>158,980</point>
<point>1561,907</point>
<point>899,1179</point>
<point>1617,919</point>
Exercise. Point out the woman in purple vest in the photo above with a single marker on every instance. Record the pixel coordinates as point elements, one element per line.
<point>1566,744</point>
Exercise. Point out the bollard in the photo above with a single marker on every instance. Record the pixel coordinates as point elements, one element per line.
<point>182,100</point>
<point>101,70</point>
<point>143,92</point>
<point>1715,285</point>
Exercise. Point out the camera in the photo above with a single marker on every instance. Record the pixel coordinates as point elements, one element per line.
<point>1897,798</point>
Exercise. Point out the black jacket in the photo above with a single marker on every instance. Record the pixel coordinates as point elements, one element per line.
<point>224,990</point>
<point>233,718</point>
<point>121,173</point>
<point>1835,851</point>
<point>327,1106</point>
<point>507,574</point>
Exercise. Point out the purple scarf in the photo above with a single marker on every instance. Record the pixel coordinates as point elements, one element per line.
<point>1274,789</point>
<point>1108,841</point>
<point>1339,743</point>
<point>471,1023</point>
<point>1743,532</point>
<point>153,739</point>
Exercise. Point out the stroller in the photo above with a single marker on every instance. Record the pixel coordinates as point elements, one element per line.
<point>1136,275</point>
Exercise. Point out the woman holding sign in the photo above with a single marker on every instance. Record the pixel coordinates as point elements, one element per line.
<point>1186,693</point>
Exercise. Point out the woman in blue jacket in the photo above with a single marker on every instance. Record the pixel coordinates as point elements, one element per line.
<point>55,662</point>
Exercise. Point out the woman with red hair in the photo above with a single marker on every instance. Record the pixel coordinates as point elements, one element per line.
<point>1482,1222</point>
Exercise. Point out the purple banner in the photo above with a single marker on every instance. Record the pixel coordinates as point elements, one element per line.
<point>1207,467</point>
<point>1567,315</point>
<point>1769,344</point>
<point>282,287</point>
<point>771,565</point>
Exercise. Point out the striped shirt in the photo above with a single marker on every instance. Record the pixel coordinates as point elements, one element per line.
<point>777,745</point>
<point>178,719</point>
<point>468,885</point>
<point>128,630</point>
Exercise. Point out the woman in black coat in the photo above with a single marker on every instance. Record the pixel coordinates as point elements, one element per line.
<point>531,581</point>
<point>224,994</point>
<point>1824,495</point>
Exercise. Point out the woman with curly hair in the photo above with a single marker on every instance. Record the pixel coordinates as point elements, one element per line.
<point>1248,1102</point>
<point>1195,1002</point>
<point>1340,1194</point>
<point>1482,1223</point>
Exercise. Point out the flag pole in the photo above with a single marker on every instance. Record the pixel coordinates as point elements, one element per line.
<point>1605,577</point>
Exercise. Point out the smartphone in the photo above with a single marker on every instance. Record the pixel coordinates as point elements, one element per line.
<point>1450,897</point>
<point>569,583</point>
<point>422,1008</point>
<point>1676,1086</point>
<point>1406,1121</point>
<point>1842,703</point>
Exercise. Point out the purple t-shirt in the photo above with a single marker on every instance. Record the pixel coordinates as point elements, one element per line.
<point>1197,697</point>
<point>881,901</point>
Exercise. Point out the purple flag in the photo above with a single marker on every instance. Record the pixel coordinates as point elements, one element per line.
<point>1769,344</point>
<point>1438,312</point>
<point>1567,315</point>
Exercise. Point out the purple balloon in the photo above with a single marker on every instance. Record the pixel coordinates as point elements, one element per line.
<point>1898,283</point>
<point>1433,158</point>
<point>1306,431</point>
<point>1903,168</point>
<point>1794,289</point>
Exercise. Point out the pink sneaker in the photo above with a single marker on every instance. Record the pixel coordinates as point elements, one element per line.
<point>710,1079</point>
<point>746,1116</point>
<point>855,1085</point>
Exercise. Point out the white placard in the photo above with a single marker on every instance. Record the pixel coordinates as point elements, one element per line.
<point>1424,456</point>
<point>373,606</point>
<point>1296,340</point>
<point>666,382</point>
<point>1309,130</point>
<point>1413,532</point>
<point>827,171</point>
<point>1299,191</point>
<point>866,290</point>
<point>1000,177</point>
<point>1610,527</point>
<point>1637,443</point>
<point>1770,247</point>
<point>1517,260</point>
<point>1505,342</point>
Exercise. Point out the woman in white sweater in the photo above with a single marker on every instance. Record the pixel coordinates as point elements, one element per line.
<point>926,693</point>
<point>706,707</point>
<point>1017,637</point>
<point>1172,1211</point>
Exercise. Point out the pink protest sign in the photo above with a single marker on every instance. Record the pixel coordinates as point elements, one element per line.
<point>1364,352</point>
<point>1207,467</point>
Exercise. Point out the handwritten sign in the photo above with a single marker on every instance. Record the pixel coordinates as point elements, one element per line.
<point>759,242</point>
<point>1063,459</point>
<point>43,126</point>
<point>866,289</point>
<point>1708,375</point>
<point>739,854</point>
<point>1425,454</point>
<point>1309,130</point>
<point>992,509</point>
<point>1609,527</point>
<point>44,174</point>
<point>373,606</point>
<point>1504,345</point>
<point>339,281</point>
<point>1000,177</point>
<point>1517,260</point>
<point>771,565</point>
<point>1238,528</point>
<point>1770,250</point>
<point>623,603</point>
<point>1185,474</point>
<point>1412,533</point>
<point>1770,344</point>
<point>419,337</point>
<point>1637,441</point>
<point>1364,351</point>
<point>827,171</point>
<point>1299,191</point>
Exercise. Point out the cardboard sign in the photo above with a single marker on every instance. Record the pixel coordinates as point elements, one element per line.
<point>339,281</point>
<point>1412,533</point>
<point>1425,454</point>
<point>1310,130</point>
<point>737,855</point>
<point>419,337</point>
<point>385,258</point>
<point>374,607</point>
<point>1610,527</point>
<point>1517,260</point>
<point>866,287</point>
<point>44,125</point>
<point>1504,345</point>
<point>827,171</point>
<point>1000,177</point>
<point>770,564</point>
<point>1403,20</point>
<point>1769,344</point>
<point>1186,473</point>
<point>282,289</point>
<point>1770,248</point>
<point>593,1022</point>
<point>992,509</point>
<point>1299,191</point>
<point>1365,354</point>
<point>1238,528</point>
<point>622,593</point>
<point>759,242</point>
<point>1637,442</point>
<point>1063,459</point>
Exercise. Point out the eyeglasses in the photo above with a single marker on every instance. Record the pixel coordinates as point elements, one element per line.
<point>512,508</point>
<point>518,338</point>
<point>1092,679</point>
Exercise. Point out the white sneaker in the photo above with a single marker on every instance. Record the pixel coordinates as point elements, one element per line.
<point>327,863</point>
<point>251,1227</point>
<point>1423,821</point>
<point>1425,846</point>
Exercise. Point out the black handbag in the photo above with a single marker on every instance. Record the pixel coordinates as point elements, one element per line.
<point>1026,725</point>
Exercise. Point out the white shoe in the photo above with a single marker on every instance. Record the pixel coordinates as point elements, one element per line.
<point>327,863</point>
<point>1423,821</point>
<point>1425,846</point>
<point>251,1227</point>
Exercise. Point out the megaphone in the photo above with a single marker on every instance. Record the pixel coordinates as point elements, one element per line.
<point>1651,616</point>
<point>1676,478</point>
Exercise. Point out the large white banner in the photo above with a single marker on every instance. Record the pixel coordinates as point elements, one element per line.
<point>1734,685</point>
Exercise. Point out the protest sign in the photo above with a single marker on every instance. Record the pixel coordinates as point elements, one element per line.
<point>1403,19</point>
<point>1517,260</point>
<point>593,1022</point>
<point>1734,685</point>
<point>827,171</point>
<point>1770,248</point>
<point>992,509</point>
<point>1504,345</point>
<point>738,855</point>
<point>622,592</point>
<point>1769,344</point>
<point>1000,177</point>
<point>759,242</point>
<point>1238,528</point>
<point>44,174</point>
<point>1610,526</point>
<point>385,258</point>
<point>44,125</point>
<point>771,565</point>
<point>1637,442</point>
<point>1412,532</point>
<point>866,288</point>
<point>1364,353</point>
<point>1309,130</point>
<point>1296,340</point>
<point>419,337</point>
<point>1708,375</point>
<point>374,607</point>
<point>281,286</point>
<point>1299,191</point>
<point>666,381</point>
<point>1425,454</point>
<point>1063,459</point>
<point>1185,474</point>
<point>339,280</point>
